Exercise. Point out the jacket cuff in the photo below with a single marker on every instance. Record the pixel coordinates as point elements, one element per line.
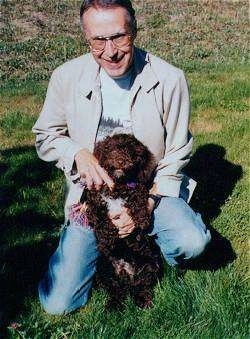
<point>166,186</point>
<point>66,162</point>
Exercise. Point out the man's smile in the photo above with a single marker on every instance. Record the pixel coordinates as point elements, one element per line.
<point>115,61</point>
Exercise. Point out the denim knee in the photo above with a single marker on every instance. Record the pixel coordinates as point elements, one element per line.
<point>180,232</point>
<point>54,308</point>
<point>185,245</point>
<point>66,284</point>
<point>59,305</point>
<point>193,242</point>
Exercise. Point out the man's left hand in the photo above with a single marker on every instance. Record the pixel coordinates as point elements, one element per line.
<point>123,222</point>
<point>151,205</point>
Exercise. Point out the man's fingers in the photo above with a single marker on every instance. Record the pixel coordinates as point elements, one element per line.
<point>104,175</point>
<point>89,180</point>
<point>116,221</point>
<point>89,168</point>
<point>126,229</point>
<point>125,232</point>
<point>123,226</point>
<point>96,175</point>
<point>122,222</point>
<point>114,215</point>
<point>126,218</point>
<point>121,236</point>
<point>97,179</point>
<point>92,177</point>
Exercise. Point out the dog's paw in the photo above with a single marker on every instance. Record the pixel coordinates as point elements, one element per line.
<point>113,305</point>
<point>144,302</point>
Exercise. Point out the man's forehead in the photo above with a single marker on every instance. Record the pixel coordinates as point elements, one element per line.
<point>105,22</point>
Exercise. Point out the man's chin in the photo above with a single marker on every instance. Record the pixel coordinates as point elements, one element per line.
<point>116,69</point>
<point>115,73</point>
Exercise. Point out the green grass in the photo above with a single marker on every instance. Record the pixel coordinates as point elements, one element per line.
<point>205,304</point>
<point>191,34</point>
<point>210,301</point>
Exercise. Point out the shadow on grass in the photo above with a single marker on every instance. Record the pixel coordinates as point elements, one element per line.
<point>22,266</point>
<point>20,276</point>
<point>21,169</point>
<point>216,179</point>
<point>23,190</point>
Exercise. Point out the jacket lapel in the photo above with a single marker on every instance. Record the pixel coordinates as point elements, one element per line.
<point>145,78</point>
<point>90,103</point>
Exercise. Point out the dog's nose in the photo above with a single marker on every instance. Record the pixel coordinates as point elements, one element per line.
<point>119,161</point>
<point>118,173</point>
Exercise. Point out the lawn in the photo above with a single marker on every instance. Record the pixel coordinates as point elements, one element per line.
<point>208,39</point>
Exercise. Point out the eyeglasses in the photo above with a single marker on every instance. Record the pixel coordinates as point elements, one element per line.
<point>98,44</point>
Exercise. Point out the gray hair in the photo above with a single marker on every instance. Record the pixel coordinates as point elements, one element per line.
<point>86,4</point>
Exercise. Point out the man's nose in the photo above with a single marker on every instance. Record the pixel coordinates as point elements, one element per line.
<point>110,49</point>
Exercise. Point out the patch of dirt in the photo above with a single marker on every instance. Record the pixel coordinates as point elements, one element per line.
<point>26,104</point>
<point>205,126</point>
<point>27,29</point>
<point>205,122</point>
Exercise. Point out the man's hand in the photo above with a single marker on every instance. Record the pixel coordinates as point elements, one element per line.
<point>151,205</point>
<point>88,167</point>
<point>123,222</point>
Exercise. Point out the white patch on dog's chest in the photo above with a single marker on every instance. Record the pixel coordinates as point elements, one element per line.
<point>114,205</point>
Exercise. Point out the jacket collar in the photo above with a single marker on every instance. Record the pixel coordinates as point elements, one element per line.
<point>89,80</point>
<point>145,78</point>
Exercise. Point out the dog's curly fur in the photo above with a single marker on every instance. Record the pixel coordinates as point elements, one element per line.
<point>132,264</point>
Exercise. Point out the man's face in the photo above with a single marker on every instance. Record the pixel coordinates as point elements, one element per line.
<point>109,23</point>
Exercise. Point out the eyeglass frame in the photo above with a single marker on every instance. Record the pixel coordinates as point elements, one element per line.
<point>107,38</point>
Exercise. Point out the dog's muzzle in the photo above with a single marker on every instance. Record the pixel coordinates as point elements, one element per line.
<point>118,173</point>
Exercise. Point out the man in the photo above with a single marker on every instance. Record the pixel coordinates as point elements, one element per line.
<point>140,94</point>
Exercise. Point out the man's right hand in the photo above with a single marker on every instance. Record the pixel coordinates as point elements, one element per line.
<point>89,169</point>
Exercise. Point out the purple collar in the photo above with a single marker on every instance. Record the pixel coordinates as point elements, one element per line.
<point>131,184</point>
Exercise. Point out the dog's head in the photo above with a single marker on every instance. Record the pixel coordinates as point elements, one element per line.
<point>125,158</point>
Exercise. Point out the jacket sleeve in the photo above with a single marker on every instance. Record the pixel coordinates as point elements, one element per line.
<point>178,141</point>
<point>52,140</point>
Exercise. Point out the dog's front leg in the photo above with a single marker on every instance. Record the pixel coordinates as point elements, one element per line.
<point>142,296</point>
<point>97,214</point>
<point>106,235</point>
<point>116,297</point>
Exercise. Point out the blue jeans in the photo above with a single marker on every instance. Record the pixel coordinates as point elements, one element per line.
<point>180,234</point>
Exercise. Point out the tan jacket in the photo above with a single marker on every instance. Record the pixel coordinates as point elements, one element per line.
<point>159,113</point>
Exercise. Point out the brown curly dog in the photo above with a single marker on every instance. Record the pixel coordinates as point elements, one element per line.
<point>130,265</point>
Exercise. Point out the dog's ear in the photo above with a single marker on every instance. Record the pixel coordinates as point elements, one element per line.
<point>102,149</point>
<point>149,168</point>
<point>147,163</point>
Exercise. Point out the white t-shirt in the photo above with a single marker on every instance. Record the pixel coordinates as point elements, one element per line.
<point>115,100</point>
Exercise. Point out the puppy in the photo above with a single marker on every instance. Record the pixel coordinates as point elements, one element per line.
<point>130,265</point>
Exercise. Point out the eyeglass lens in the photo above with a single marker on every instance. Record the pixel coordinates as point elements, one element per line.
<point>119,41</point>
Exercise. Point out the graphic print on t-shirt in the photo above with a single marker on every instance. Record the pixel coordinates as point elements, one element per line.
<point>109,126</point>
